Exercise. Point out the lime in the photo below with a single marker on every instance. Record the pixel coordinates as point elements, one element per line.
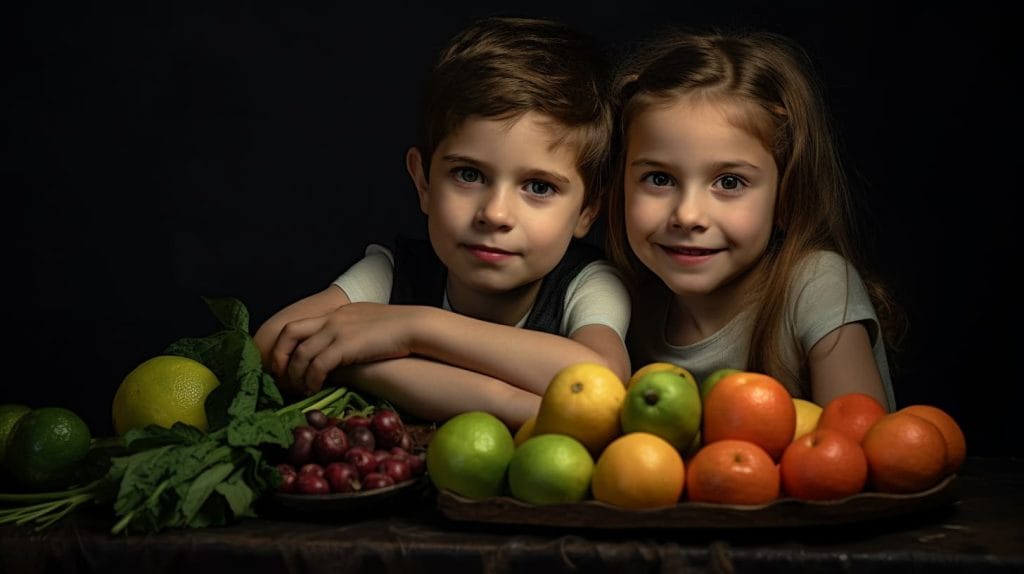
<point>46,446</point>
<point>550,468</point>
<point>162,391</point>
<point>666,404</point>
<point>10,414</point>
<point>469,455</point>
<point>711,380</point>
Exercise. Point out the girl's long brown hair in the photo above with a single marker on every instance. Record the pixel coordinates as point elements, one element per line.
<point>773,79</point>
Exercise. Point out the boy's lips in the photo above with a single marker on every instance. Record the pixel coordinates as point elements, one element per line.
<point>489,253</point>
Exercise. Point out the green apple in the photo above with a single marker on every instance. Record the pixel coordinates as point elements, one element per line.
<point>712,379</point>
<point>666,404</point>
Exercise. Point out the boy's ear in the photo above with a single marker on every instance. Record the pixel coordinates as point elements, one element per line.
<point>585,221</point>
<point>414,165</point>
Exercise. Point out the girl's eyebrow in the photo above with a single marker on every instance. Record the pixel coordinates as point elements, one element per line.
<point>533,173</point>
<point>716,166</point>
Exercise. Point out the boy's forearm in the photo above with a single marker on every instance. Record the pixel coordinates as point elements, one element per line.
<point>524,358</point>
<point>436,391</point>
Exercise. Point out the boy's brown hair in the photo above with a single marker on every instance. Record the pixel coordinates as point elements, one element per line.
<point>503,67</point>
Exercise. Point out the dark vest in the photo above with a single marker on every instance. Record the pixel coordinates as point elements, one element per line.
<point>420,279</point>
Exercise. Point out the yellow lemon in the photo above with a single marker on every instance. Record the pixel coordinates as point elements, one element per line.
<point>583,401</point>
<point>525,431</point>
<point>161,391</point>
<point>807,414</point>
<point>655,367</point>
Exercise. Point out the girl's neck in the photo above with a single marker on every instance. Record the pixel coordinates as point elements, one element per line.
<point>693,318</point>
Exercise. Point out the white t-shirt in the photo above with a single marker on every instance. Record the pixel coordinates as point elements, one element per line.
<point>596,295</point>
<point>826,294</point>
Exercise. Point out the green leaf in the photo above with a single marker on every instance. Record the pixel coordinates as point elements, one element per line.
<point>202,487</point>
<point>263,428</point>
<point>230,312</point>
<point>238,494</point>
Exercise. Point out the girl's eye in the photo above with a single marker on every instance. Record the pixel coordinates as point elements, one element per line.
<point>658,179</point>
<point>730,183</point>
<point>468,175</point>
<point>540,188</point>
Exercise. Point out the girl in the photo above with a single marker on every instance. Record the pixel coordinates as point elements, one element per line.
<point>734,220</point>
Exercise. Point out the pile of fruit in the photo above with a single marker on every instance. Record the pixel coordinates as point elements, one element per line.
<point>353,454</point>
<point>737,438</point>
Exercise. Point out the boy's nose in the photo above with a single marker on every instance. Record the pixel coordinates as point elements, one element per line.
<point>496,210</point>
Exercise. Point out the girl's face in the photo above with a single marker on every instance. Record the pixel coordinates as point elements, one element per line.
<point>502,201</point>
<point>699,195</point>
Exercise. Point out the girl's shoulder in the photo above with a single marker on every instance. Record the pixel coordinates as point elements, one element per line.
<point>824,267</point>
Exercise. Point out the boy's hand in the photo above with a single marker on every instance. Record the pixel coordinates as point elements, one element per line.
<point>307,350</point>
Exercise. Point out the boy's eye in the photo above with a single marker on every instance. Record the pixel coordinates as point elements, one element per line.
<point>540,188</point>
<point>468,174</point>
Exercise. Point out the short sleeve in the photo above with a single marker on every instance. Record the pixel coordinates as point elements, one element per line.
<point>829,294</point>
<point>597,296</point>
<point>370,278</point>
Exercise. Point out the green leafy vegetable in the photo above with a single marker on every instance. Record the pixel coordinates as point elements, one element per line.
<point>160,478</point>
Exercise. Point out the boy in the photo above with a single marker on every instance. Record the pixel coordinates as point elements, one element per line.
<point>510,167</point>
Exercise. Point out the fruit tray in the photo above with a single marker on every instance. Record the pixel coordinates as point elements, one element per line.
<point>785,512</point>
<point>325,504</point>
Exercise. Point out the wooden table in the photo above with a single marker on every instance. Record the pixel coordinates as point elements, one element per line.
<point>983,531</point>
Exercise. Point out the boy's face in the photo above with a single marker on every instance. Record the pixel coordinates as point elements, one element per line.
<point>502,203</point>
<point>700,196</point>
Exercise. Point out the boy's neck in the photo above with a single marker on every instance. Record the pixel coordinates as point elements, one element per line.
<point>505,308</point>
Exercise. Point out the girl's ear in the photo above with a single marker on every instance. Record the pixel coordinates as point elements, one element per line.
<point>414,165</point>
<point>585,221</point>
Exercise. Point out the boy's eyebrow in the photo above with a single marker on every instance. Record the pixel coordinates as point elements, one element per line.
<point>533,173</point>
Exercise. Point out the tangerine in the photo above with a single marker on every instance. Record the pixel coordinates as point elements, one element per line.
<point>750,406</point>
<point>732,471</point>
<point>956,444</point>
<point>852,414</point>
<point>639,470</point>
<point>906,453</point>
<point>823,464</point>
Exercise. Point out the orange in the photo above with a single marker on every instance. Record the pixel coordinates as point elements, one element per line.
<point>906,453</point>
<point>956,444</point>
<point>750,406</point>
<point>583,401</point>
<point>639,470</point>
<point>823,464</point>
<point>731,471</point>
<point>852,414</point>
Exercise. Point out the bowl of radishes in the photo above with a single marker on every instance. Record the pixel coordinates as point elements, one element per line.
<point>333,461</point>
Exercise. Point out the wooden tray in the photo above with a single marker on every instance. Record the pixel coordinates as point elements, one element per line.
<point>785,512</point>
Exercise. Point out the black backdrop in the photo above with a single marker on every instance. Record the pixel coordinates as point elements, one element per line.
<point>159,152</point>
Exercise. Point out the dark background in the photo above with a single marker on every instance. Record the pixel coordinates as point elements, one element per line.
<point>157,153</point>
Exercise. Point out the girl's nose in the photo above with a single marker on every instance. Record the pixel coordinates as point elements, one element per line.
<point>690,213</point>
